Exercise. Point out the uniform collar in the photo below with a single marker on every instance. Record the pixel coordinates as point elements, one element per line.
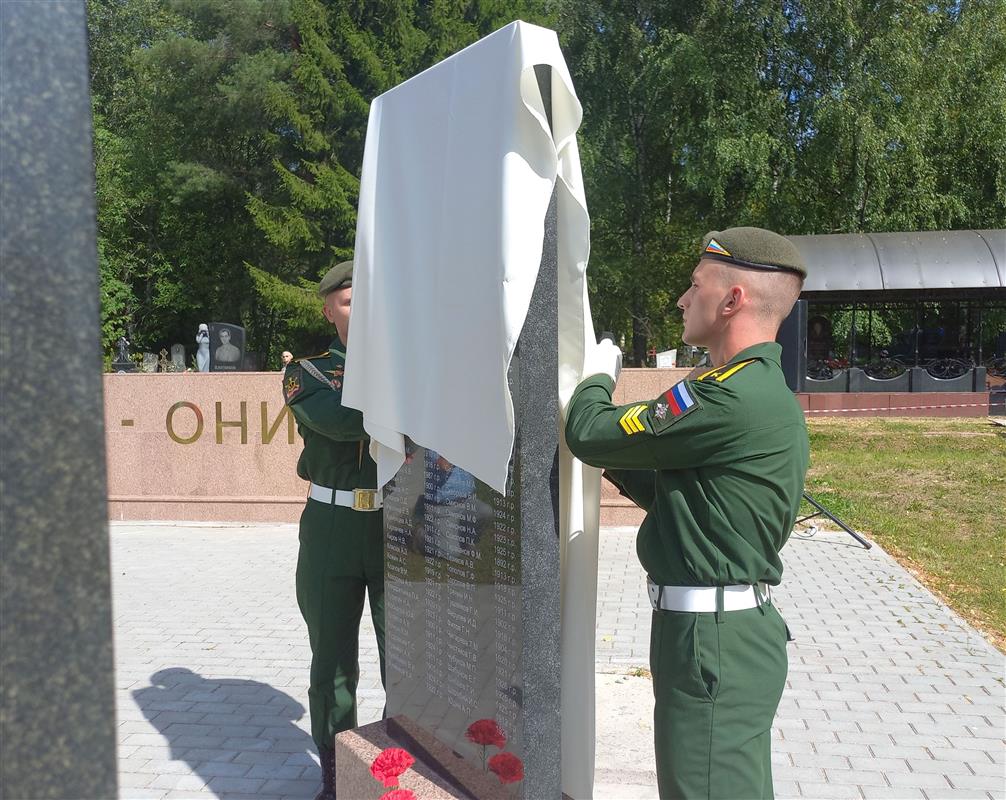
<point>337,346</point>
<point>766,351</point>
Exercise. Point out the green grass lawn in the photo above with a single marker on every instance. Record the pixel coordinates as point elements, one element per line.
<point>932,492</point>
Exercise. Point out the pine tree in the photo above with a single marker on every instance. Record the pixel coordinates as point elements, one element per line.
<point>345,55</point>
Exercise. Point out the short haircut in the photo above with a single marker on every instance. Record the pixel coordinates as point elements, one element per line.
<point>773,293</point>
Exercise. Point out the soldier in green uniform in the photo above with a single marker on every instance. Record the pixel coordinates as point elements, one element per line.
<point>718,463</point>
<point>341,547</point>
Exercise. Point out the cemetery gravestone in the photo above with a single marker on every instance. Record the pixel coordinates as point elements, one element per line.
<point>123,363</point>
<point>667,359</point>
<point>177,358</point>
<point>227,344</point>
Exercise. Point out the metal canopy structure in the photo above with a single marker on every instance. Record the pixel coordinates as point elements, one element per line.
<point>906,263</point>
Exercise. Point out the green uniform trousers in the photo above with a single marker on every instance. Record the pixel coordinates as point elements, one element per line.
<point>341,558</point>
<point>717,681</point>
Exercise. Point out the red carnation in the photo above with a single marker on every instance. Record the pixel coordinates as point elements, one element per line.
<point>508,768</point>
<point>486,732</point>
<point>399,794</point>
<point>391,763</point>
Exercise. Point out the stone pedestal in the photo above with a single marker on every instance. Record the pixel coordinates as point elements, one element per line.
<point>438,773</point>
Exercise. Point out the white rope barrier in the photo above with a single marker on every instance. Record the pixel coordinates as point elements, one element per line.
<point>989,405</point>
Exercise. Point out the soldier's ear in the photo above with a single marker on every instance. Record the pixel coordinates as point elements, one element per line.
<point>326,310</point>
<point>734,299</point>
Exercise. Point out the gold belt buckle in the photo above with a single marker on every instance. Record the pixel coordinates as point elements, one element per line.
<point>364,499</point>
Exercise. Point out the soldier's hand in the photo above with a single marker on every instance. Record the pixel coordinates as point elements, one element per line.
<point>604,359</point>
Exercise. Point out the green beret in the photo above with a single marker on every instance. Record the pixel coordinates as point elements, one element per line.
<point>754,248</point>
<point>338,277</point>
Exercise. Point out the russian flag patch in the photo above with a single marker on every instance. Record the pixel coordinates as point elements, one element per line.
<point>716,247</point>
<point>672,405</point>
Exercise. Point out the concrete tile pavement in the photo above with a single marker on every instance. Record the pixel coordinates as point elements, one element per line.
<point>889,695</point>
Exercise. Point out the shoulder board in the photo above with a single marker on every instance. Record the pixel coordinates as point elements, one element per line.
<point>720,374</point>
<point>334,382</point>
<point>319,355</point>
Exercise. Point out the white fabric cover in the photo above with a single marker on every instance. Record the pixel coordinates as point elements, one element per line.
<point>459,168</point>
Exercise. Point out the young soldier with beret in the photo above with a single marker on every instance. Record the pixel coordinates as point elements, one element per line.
<point>718,463</point>
<point>341,532</point>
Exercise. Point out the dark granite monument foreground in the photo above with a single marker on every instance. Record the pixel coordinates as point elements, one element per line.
<point>57,724</point>
<point>472,583</point>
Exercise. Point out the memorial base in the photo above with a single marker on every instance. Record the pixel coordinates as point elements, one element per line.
<point>438,774</point>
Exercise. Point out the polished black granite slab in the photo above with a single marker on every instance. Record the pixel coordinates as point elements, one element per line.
<point>472,575</point>
<point>57,726</point>
<point>453,603</point>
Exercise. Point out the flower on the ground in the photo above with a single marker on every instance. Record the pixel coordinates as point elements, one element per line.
<point>391,763</point>
<point>508,768</point>
<point>486,732</point>
<point>399,794</point>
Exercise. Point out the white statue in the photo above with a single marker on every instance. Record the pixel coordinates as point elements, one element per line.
<point>203,353</point>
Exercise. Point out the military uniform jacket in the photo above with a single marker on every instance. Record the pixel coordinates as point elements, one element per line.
<point>336,447</point>
<point>717,463</point>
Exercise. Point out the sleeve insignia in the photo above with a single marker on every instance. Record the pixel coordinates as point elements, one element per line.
<point>672,405</point>
<point>292,386</point>
<point>630,420</point>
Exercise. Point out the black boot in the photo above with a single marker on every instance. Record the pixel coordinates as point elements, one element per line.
<point>327,757</point>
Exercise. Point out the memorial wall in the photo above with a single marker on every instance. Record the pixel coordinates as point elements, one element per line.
<point>223,447</point>
<point>201,446</point>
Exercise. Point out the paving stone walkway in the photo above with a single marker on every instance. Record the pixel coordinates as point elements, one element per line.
<point>890,694</point>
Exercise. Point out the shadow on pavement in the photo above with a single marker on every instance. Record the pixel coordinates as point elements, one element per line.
<point>239,736</point>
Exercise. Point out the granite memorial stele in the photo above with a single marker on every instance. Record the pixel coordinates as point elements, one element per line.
<point>472,597</point>
<point>57,718</point>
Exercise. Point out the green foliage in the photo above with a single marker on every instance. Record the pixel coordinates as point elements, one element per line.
<point>810,117</point>
<point>310,213</point>
<point>875,331</point>
<point>297,305</point>
<point>904,107</point>
<point>229,139</point>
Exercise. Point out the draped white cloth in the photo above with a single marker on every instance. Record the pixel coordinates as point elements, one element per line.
<point>459,168</point>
